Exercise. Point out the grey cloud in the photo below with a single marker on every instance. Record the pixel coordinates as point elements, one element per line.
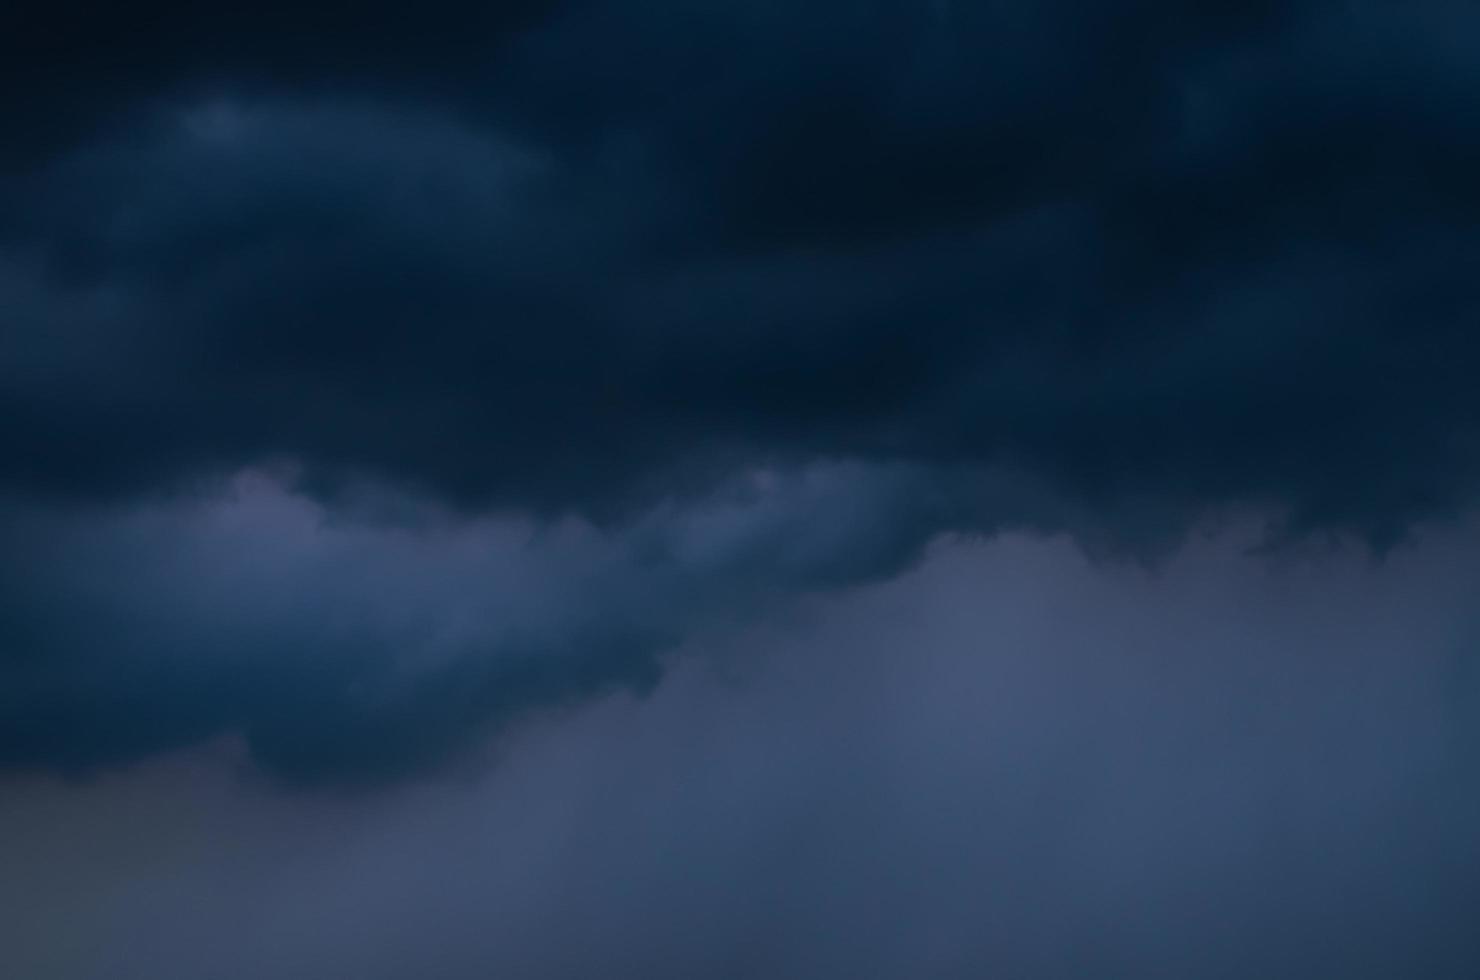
<point>345,651</point>
<point>1009,761</point>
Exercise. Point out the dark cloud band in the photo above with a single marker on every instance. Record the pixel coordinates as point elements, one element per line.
<point>605,262</point>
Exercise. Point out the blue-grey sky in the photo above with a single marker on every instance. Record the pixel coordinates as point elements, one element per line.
<point>715,488</point>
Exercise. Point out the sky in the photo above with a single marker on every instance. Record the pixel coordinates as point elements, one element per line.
<point>703,488</point>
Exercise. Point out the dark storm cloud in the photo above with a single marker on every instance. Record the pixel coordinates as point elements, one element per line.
<point>1227,260</point>
<point>69,67</point>
<point>344,652</point>
<point>1109,268</point>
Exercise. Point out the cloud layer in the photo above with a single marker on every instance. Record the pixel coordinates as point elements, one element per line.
<point>810,285</point>
<point>1008,762</point>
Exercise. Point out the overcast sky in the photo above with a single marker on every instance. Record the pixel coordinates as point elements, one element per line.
<point>739,488</point>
